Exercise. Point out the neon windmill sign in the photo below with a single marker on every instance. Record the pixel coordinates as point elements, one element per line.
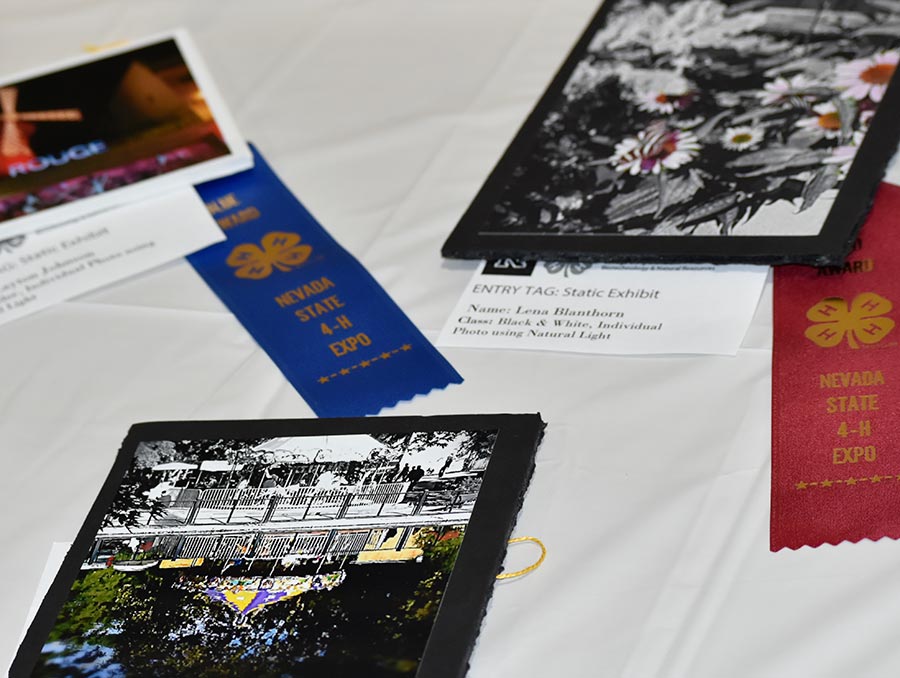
<point>15,152</point>
<point>14,142</point>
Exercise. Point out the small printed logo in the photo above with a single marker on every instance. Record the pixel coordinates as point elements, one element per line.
<point>508,267</point>
<point>10,244</point>
<point>566,267</point>
<point>278,250</point>
<point>862,321</point>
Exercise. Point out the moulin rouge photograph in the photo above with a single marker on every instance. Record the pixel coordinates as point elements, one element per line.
<point>102,125</point>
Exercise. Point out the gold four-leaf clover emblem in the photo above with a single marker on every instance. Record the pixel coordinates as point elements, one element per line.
<point>861,321</point>
<point>278,250</point>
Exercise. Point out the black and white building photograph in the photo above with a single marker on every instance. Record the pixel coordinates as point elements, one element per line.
<point>257,556</point>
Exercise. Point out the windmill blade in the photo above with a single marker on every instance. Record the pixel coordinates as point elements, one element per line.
<point>13,143</point>
<point>61,115</point>
<point>8,97</point>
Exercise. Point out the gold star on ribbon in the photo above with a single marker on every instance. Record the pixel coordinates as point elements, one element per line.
<point>826,483</point>
<point>851,481</point>
<point>801,485</point>
<point>365,363</point>
<point>406,347</point>
<point>323,380</point>
<point>876,478</point>
<point>345,371</point>
<point>385,355</point>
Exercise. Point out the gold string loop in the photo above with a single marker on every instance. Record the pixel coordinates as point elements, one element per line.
<point>530,568</point>
<point>95,49</point>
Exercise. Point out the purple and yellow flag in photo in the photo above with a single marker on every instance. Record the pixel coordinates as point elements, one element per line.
<point>249,594</point>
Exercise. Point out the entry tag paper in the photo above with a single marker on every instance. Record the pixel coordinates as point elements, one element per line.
<point>334,333</point>
<point>38,270</point>
<point>606,308</point>
<point>835,398</point>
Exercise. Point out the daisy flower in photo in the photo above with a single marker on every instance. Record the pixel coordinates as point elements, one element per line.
<point>826,122</point>
<point>657,102</point>
<point>782,89</point>
<point>663,102</point>
<point>653,150</point>
<point>742,138</point>
<point>867,77</point>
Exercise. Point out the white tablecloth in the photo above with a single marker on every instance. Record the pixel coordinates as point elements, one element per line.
<point>384,117</point>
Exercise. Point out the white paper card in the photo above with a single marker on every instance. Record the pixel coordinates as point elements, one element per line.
<point>604,308</point>
<point>152,121</point>
<point>39,270</point>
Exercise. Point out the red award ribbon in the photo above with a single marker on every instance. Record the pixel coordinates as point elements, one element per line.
<point>836,392</point>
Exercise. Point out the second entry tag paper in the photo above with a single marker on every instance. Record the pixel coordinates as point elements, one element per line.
<point>606,308</point>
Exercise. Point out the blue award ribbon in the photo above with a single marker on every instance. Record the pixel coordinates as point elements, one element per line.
<point>331,329</point>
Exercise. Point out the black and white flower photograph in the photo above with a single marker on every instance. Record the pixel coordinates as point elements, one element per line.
<point>709,118</point>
